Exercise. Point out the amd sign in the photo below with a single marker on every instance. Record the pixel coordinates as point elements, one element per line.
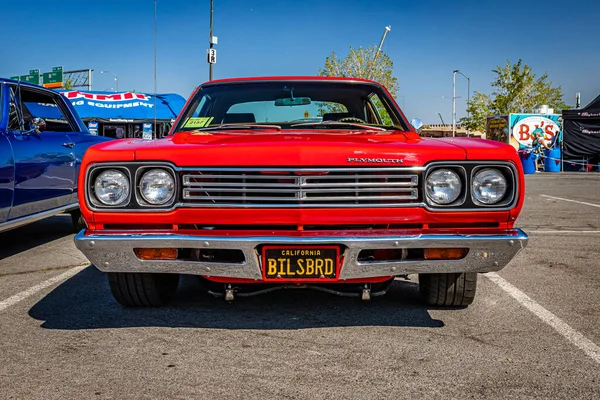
<point>75,94</point>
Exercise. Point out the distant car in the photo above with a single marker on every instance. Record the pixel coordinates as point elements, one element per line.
<point>42,143</point>
<point>252,200</point>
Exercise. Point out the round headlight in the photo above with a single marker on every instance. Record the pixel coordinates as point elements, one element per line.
<point>443,186</point>
<point>489,186</point>
<point>157,186</point>
<point>111,187</point>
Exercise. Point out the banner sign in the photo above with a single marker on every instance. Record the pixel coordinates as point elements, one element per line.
<point>124,105</point>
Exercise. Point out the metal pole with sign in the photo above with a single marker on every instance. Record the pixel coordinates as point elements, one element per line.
<point>211,55</point>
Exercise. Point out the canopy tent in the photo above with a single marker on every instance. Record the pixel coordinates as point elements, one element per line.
<point>581,132</point>
<point>132,107</point>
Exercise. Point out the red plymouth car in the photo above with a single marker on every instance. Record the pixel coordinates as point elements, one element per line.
<point>310,182</point>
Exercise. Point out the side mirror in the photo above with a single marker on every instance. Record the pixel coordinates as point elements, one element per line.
<point>38,125</point>
<point>417,124</point>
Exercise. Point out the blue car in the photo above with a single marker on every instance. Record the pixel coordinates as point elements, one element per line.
<point>42,142</point>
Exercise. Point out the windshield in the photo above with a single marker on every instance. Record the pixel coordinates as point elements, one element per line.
<point>282,105</point>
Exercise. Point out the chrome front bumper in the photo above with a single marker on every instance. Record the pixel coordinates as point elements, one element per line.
<point>114,253</point>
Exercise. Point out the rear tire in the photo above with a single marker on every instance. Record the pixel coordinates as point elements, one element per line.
<point>448,290</point>
<point>142,289</point>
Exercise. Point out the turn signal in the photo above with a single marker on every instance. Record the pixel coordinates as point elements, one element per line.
<point>156,254</point>
<point>445,254</point>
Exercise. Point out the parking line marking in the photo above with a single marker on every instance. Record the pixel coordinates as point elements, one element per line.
<point>590,348</point>
<point>572,201</point>
<point>4,304</point>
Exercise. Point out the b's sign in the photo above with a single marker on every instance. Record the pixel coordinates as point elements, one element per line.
<point>522,129</point>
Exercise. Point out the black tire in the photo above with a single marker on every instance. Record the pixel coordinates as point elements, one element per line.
<point>78,221</point>
<point>448,290</point>
<point>142,289</point>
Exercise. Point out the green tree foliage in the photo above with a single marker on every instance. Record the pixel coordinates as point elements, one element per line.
<point>361,63</point>
<point>68,84</point>
<point>516,90</point>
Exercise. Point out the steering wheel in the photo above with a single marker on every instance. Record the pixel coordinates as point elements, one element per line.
<point>352,119</point>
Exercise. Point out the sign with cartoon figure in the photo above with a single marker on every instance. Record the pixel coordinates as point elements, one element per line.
<point>526,132</point>
<point>532,131</point>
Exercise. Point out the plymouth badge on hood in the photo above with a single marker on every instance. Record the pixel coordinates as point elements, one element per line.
<point>376,160</point>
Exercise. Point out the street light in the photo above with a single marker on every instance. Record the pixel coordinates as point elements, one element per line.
<point>454,98</point>
<point>116,78</point>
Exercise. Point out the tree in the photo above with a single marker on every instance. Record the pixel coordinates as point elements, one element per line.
<point>516,90</point>
<point>361,63</point>
<point>68,83</point>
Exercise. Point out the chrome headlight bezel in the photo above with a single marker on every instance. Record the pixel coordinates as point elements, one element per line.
<point>133,170</point>
<point>494,175</point>
<point>462,177</point>
<point>91,187</point>
<point>510,176</point>
<point>141,199</point>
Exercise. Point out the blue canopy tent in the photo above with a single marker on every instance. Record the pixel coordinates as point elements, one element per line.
<point>119,114</point>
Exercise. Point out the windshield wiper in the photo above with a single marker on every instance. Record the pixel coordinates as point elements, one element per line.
<point>238,126</point>
<point>340,124</point>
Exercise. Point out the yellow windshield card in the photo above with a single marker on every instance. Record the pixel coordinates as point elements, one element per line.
<point>197,122</point>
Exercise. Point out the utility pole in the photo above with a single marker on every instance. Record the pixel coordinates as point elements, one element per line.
<point>385,32</point>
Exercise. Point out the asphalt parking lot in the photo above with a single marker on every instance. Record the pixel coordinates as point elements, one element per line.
<point>532,332</point>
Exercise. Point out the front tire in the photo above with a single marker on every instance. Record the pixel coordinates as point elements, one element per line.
<point>142,289</point>
<point>78,221</point>
<point>448,290</point>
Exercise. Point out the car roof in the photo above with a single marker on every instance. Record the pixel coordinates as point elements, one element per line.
<point>25,84</point>
<point>289,78</point>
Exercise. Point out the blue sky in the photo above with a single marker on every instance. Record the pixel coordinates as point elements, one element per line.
<point>428,40</point>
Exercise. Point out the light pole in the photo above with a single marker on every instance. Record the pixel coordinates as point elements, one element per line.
<point>385,32</point>
<point>454,97</point>
<point>116,78</point>
<point>454,102</point>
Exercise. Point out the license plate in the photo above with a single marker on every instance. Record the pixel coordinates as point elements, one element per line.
<point>300,262</point>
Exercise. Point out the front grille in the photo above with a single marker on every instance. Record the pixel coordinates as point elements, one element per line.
<point>315,187</point>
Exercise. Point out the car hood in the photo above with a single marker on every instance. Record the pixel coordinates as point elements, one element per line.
<point>294,148</point>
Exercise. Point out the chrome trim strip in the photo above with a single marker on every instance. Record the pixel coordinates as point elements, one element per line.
<point>113,252</point>
<point>300,169</point>
<point>8,225</point>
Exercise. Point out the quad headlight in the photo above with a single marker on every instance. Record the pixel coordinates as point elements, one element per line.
<point>443,186</point>
<point>157,186</point>
<point>489,186</point>
<point>112,187</point>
